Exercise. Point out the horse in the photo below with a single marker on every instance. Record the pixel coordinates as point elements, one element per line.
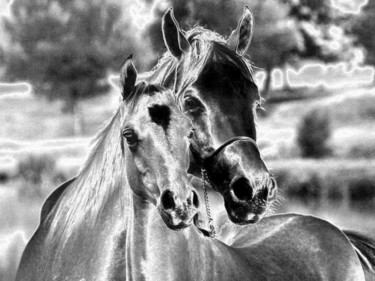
<point>215,88</point>
<point>83,225</point>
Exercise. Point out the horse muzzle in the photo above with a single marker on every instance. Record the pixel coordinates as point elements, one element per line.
<point>237,171</point>
<point>178,214</point>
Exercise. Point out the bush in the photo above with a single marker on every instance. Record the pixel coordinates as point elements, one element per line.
<point>302,187</point>
<point>343,183</point>
<point>362,193</point>
<point>362,151</point>
<point>36,171</point>
<point>313,134</point>
<point>4,177</point>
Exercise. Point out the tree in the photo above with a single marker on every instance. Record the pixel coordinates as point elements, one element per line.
<point>313,134</point>
<point>299,30</point>
<point>362,27</point>
<point>277,38</point>
<point>323,29</point>
<point>65,48</point>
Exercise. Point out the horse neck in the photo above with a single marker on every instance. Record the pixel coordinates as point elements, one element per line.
<point>135,244</point>
<point>155,252</point>
<point>148,239</point>
<point>98,190</point>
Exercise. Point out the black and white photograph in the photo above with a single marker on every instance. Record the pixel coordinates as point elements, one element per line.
<point>187,140</point>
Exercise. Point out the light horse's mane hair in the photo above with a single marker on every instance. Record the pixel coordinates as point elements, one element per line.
<point>103,173</point>
<point>206,45</point>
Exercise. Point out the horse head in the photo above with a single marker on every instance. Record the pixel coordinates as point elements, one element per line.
<point>155,144</point>
<point>216,90</point>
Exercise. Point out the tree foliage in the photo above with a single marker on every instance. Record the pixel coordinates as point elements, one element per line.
<point>313,134</point>
<point>65,48</point>
<point>277,38</point>
<point>323,29</point>
<point>362,27</point>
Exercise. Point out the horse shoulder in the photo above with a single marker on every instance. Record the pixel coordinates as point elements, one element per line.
<point>331,249</point>
<point>322,234</point>
<point>53,198</point>
<point>290,241</point>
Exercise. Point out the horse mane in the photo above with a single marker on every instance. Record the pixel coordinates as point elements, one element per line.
<point>101,175</point>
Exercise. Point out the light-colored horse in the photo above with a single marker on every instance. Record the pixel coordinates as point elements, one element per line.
<point>84,223</point>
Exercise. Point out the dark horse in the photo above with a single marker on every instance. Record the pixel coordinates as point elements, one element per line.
<point>83,225</point>
<point>215,88</point>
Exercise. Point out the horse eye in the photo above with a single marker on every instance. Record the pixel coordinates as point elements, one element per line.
<point>191,102</point>
<point>130,136</point>
<point>191,134</point>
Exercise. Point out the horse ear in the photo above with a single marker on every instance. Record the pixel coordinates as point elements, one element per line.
<point>239,40</point>
<point>175,41</point>
<point>177,79</point>
<point>128,76</point>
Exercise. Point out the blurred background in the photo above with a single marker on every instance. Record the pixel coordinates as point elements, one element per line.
<point>314,63</point>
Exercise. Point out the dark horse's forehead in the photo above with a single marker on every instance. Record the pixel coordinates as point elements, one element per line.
<point>225,69</point>
<point>214,66</point>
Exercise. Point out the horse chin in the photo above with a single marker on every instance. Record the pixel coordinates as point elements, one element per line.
<point>239,215</point>
<point>171,224</point>
<point>251,219</point>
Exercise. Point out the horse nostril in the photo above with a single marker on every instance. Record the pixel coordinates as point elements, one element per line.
<point>242,189</point>
<point>193,200</point>
<point>167,200</point>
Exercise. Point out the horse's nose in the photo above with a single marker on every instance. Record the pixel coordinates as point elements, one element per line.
<point>171,201</point>
<point>193,200</point>
<point>180,209</point>
<point>168,200</point>
<point>242,189</point>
